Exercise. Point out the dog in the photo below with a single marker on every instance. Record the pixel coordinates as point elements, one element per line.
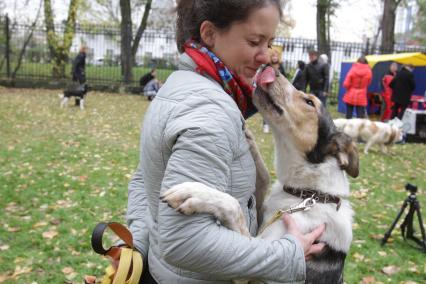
<point>312,160</point>
<point>371,132</point>
<point>78,91</point>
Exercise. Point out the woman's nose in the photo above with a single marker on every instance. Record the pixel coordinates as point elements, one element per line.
<point>263,56</point>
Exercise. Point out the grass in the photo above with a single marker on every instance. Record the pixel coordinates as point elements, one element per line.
<point>64,170</point>
<point>93,72</point>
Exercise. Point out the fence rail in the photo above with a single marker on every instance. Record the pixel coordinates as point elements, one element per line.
<point>32,65</point>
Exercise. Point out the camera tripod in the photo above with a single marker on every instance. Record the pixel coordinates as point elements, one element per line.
<point>407,229</point>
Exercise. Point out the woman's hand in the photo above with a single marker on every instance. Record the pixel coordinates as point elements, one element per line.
<point>306,240</point>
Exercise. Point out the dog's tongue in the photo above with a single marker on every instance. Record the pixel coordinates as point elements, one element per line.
<point>266,77</point>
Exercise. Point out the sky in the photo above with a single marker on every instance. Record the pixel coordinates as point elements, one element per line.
<point>354,20</point>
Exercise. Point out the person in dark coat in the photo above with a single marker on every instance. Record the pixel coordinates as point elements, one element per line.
<point>150,84</point>
<point>78,71</point>
<point>402,86</point>
<point>298,79</point>
<point>316,76</point>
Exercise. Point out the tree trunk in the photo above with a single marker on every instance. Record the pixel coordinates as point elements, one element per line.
<point>376,37</point>
<point>140,30</point>
<point>26,42</point>
<point>59,50</point>
<point>126,41</point>
<point>322,42</point>
<point>388,25</point>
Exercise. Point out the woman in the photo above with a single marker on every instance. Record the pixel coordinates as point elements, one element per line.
<point>194,132</point>
<point>387,92</point>
<point>356,84</point>
<point>298,79</point>
<point>276,62</point>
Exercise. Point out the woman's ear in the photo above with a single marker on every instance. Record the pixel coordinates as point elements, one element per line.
<point>208,33</point>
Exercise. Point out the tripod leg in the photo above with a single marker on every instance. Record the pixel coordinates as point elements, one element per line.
<point>389,232</point>
<point>422,228</point>
<point>408,222</point>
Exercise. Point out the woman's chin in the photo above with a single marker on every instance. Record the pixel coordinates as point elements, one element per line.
<point>248,80</point>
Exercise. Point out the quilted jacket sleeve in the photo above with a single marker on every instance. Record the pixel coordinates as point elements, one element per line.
<point>137,212</point>
<point>203,153</point>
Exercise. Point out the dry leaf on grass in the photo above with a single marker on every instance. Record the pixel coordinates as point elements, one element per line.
<point>4,247</point>
<point>358,257</point>
<point>20,270</point>
<point>390,270</point>
<point>13,229</point>
<point>67,270</point>
<point>50,234</point>
<point>40,224</point>
<point>368,280</point>
<point>4,278</point>
<point>382,253</point>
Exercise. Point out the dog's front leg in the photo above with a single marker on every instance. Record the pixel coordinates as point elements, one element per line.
<point>193,197</point>
<point>262,175</point>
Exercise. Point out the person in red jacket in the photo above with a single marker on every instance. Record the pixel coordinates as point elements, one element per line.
<point>356,84</point>
<point>387,92</point>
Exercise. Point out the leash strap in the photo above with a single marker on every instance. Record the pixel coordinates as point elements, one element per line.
<point>305,205</point>
<point>130,261</point>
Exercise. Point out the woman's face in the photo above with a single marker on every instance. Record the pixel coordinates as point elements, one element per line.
<point>244,46</point>
<point>274,57</point>
<point>393,67</point>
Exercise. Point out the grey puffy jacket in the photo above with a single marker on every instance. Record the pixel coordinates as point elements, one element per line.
<point>193,131</point>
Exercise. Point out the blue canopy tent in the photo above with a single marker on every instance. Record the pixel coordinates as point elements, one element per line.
<point>380,66</point>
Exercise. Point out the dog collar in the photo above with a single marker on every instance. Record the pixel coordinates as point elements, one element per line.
<point>318,196</point>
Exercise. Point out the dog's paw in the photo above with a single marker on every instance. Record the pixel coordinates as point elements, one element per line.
<point>188,198</point>
<point>192,197</point>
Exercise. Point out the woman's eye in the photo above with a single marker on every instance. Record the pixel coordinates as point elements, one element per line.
<point>310,102</point>
<point>254,43</point>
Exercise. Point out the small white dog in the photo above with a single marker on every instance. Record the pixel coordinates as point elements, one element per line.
<point>371,132</point>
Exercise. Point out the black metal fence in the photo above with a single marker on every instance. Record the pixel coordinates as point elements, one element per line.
<point>27,61</point>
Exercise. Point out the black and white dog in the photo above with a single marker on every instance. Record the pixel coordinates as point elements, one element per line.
<point>312,160</point>
<point>77,91</point>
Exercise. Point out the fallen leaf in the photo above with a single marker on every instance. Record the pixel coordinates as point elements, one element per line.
<point>382,253</point>
<point>82,178</point>
<point>50,234</point>
<point>67,270</point>
<point>13,229</point>
<point>4,247</point>
<point>39,224</point>
<point>390,270</point>
<point>358,257</point>
<point>4,278</point>
<point>21,270</point>
<point>368,280</point>
<point>55,221</point>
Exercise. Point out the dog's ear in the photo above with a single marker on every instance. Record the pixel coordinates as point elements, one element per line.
<point>345,150</point>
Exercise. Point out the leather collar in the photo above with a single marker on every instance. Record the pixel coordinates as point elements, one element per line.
<point>318,196</point>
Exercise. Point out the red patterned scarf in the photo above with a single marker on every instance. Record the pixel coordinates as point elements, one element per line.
<point>209,64</point>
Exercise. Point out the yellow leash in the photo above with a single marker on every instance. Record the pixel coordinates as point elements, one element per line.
<point>130,263</point>
<point>128,259</point>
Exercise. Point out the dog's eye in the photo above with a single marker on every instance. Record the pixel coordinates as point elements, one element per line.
<point>310,102</point>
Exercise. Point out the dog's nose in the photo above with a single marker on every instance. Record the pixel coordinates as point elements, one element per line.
<point>266,77</point>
